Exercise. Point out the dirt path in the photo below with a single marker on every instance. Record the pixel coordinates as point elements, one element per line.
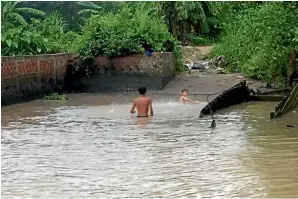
<point>202,84</point>
<point>191,53</point>
<point>199,83</point>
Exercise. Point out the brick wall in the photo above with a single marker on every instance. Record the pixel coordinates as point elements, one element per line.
<point>131,72</point>
<point>28,77</point>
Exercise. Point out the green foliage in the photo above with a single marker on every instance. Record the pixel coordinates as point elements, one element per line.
<point>52,28</point>
<point>55,96</point>
<point>70,9</point>
<point>182,17</point>
<point>90,7</point>
<point>11,15</point>
<point>258,40</point>
<point>39,37</point>
<point>121,34</point>
<point>295,40</point>
<point>21,41</point>
<point>177,52</point>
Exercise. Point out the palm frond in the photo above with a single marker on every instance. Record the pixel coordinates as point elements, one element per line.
<point>31,11</point>
<point>88,11</point>
<point>202,13</point>
<point>18,18</point>
<point>8,5</point>
<point>6,8</point>
<point>89,4</point>
<point>146,5</point>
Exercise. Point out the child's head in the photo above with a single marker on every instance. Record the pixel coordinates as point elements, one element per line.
<point>184,92</point>
<point>142,90</point>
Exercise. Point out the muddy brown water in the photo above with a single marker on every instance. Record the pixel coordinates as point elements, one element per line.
<point>90,147</point>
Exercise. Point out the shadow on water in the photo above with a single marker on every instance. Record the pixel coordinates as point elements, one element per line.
<point>91,146</point>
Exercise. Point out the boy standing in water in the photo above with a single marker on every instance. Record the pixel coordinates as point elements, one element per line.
<point>184,99</point>
<point>142,103</point>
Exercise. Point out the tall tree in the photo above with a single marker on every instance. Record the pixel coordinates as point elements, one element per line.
<point>182,17</point>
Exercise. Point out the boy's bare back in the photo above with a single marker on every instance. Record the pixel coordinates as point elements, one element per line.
<point>143,104</point>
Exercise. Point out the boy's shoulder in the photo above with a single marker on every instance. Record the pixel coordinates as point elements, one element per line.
<point>148,99</point>
<point>142,99</point>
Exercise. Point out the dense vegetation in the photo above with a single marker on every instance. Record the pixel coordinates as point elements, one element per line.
<point>258,39</point>
<point>122,33</point>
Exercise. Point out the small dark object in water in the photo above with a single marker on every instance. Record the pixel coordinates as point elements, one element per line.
<point>213,124</point>
<point>291,126</point>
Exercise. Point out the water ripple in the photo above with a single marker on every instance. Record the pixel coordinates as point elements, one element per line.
<point>100,152</point>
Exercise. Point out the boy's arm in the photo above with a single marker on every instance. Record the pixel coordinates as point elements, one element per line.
<point>132,110</point>
<point>186,99</point>
<point>150,107</point>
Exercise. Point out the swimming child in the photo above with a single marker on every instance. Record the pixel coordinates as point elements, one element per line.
<point>143,104</point>
<point>184,99</point>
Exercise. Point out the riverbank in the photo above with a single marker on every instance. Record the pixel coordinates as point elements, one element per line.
<point>208,81</point>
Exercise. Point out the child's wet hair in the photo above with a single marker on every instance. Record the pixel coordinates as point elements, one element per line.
<point>142,90</point>
<point>184,90</point>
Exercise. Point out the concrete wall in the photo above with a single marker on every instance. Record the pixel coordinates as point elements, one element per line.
<point>29,77</point>
<point>131,72</point>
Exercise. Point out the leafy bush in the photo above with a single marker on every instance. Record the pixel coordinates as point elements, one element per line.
<point>123,34</point>
<point>258,41</point>
<point>21,41</point>
<point>39,37</point>
<point>52,28</point>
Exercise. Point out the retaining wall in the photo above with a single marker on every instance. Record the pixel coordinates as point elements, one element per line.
<point>131,72</point>
<point>29,77</point>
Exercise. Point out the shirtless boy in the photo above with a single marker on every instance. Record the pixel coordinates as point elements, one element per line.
<point>143,104</point>
<point>184,99</point>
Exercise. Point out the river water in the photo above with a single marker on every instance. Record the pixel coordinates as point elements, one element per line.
<point>91,147</point>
